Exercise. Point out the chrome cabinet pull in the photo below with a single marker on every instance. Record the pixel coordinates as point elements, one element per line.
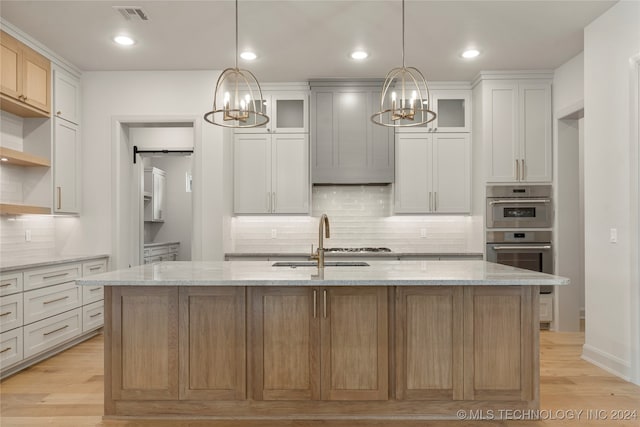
<point>55,275</point>
<point>97,267</point>
<point>55,330</point>
<point>6,314</point>
<point>522,169</point>
<point>5,350</point>
<point>59,197</point>
<point>95,315</point>
<point>510,201</point>
<point>517,170</point>
<point>55,300</point>
<point>315,302</point>
<point>521,247</point>
<point>325,303</point>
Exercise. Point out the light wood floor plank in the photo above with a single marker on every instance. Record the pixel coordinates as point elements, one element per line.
<point>67,391</point>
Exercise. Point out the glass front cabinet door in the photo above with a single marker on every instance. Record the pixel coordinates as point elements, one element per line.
<point>453,108</point>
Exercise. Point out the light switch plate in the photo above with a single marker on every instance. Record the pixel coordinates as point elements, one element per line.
<point>423,233</point>
<point>613,235</point>
<point>274,233</point>
<point>27,235</point>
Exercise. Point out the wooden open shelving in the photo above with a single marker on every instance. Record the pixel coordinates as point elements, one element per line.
<point>20,158</point>
<point>17,209</point>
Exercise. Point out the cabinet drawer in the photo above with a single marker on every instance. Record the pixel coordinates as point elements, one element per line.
<point>47,276</point>
<point>49,301</point>
<point>10,283</point>
<point>92,316</point>
<point>159,250</point>
<point>147,252</point>
<point>94,267</point>
<point>152,259</point>
<point>10,348</point>
<point>92,294</point>
<point>47,333</point>
<point>546,308</point>
<point>173,249</point>
<point>10,312</point>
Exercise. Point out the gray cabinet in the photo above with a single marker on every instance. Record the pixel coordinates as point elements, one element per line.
<point>346,147</point>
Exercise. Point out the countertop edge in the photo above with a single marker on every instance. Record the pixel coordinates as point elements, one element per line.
<point>23,265</point>
<point>352,254</point>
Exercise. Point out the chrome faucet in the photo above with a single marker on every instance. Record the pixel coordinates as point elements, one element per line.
<point>319,255</point>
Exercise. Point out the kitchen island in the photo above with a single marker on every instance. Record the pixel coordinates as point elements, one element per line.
<point>397,341</point>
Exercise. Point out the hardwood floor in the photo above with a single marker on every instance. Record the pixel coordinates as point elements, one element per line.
<point>66,391</point>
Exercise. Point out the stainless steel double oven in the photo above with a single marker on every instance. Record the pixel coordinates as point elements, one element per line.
<point>519,222</point>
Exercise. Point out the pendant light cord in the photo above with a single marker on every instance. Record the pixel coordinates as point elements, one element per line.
<point>402,33</point>
<point>237,32</point>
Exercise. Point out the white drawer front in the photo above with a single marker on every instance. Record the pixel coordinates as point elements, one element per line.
<point>10,312</point>
<point>147,252</point>
<point>11,348</point>
<point>546,308</point>
<point>92,316</point>
<point>47,276</point>
<point>92,294</point>
<point>94,267</point>
<point>174,249</point>
<point>50,332</point>
<point>10,283</point>
<point>49,301</point>
<point>159,250</point>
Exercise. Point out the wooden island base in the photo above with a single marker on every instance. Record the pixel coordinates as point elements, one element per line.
<point>363,353</point>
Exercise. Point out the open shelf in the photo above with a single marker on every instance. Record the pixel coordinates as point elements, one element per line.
<point>15,209</point>
<point>20,158</point>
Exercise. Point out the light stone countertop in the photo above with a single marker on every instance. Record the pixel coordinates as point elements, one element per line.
<point>151,245</point>
<point>239,255</point>
<point>379,273</point>
<point>22,263</point>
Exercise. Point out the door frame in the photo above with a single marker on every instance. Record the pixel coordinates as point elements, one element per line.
<point>127,248</point>
<point>634,143</point>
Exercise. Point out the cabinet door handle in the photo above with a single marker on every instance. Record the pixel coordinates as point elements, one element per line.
<point>95,315</point>
<point>4,285</point>
<point>59,197</point>
<point>324,304</point>
<point>55,300</point>
<point>95,289</point>
<point>430,205</point>
<point>58,113</point>
<point>55,330</point>
<point>517,170</point>
<point>522,169</point>
<point>315,303</point>
<point>54,275</point>
<point>5,350</point>
<point>97,267</point>
<point>6,314</point>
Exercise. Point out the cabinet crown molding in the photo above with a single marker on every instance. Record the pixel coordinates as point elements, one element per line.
<point>512,75</point>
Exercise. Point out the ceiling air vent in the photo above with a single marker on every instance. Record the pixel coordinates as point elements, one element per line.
<point>132,13</point>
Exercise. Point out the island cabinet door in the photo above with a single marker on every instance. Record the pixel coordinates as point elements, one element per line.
<point>355,334</point>
<point>500,343</point>
<point>212,343</point>
<point>429,348</point>
<point>284,343</point>
<point>144,350</point>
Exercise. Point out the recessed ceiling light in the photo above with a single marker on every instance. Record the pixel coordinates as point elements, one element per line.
<point>359,54</point>
<point>249,56</point>
<point>470,53</point>
<point>124,40</point>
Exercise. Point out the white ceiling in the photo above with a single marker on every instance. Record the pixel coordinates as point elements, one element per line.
<point>298,40</point>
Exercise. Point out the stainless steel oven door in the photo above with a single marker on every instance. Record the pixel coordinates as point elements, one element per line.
<point>530,256</point>
<point>519,213</point>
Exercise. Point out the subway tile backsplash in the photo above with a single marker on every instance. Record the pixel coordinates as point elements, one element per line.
<point>360,216</point>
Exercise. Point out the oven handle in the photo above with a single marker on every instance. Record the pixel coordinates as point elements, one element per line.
<point>508,201</point>
<point>521,247</point>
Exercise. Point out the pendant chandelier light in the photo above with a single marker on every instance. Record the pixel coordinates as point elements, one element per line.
<point>237,89</point>
<point>413,106</point>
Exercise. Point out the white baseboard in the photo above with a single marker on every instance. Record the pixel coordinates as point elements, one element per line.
<point>610,363</point>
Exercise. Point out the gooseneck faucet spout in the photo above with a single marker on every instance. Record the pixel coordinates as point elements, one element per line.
<point>323,226</point>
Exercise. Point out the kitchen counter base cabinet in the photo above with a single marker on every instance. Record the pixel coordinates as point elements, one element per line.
<point>395,354</point>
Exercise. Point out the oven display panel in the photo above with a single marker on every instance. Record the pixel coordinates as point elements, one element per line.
<point>519,212</point>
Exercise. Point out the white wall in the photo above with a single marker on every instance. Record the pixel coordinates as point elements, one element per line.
<point>120,95</point>
<point>610,41</point>
<point>568,86</point>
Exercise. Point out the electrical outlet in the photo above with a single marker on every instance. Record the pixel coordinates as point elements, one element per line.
<point>423,233</point>
<point>27,235</point>
<point>274,233</point>
<point>613,235</point>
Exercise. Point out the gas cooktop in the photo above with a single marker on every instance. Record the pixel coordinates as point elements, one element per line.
<point>357,250</point>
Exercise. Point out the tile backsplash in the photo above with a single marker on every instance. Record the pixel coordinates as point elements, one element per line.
<point>360,216</point>
<point>12,236</point>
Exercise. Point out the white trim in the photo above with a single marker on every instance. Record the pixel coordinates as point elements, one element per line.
<point>606,361</point>
<point>118,216</point>
<point>570,110</point>
<point>634,226</point>
<point>25,38</point>
<point>512,74</point>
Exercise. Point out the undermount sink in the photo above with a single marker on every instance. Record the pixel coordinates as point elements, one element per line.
<point>294,264</point>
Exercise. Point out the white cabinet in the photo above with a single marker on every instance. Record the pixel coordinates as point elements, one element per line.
<point>156,252</point>
<point>288,112</point>
<point>10,348</point>
<point>453,112</point>
<point>271,173</point>
<point>155,188</point>
<point>433,173</point>
<point>517,130</point>
<point>66,168</point>
<point>66,96</point>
